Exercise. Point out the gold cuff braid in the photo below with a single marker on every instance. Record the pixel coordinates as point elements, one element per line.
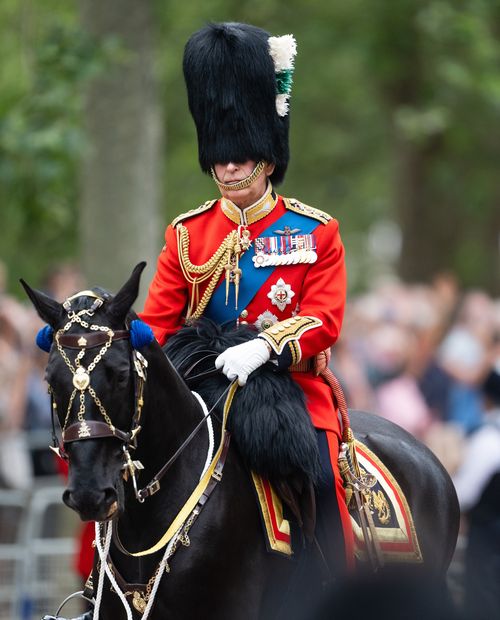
<point>289,330</point>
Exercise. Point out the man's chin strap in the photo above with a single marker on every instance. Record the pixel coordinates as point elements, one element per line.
<point>244,183</point>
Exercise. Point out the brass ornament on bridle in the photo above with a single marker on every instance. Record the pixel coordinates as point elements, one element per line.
<point>81,375</point>
<point>81,380</point>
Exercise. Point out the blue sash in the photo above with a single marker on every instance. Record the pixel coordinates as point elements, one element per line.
<point>253,278</point>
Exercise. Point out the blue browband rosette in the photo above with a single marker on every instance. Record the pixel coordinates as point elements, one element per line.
<point>44,338</point>
<point>140,334</point>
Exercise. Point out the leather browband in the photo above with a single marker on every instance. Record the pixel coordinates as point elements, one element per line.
<point>92,429</point>
<point>92,339</point>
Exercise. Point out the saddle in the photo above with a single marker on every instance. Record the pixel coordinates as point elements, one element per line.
<point>381,519</point>
<point>297,496</point>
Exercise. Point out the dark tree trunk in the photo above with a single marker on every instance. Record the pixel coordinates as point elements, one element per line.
<point>422,213</point>
<point>121,180</point>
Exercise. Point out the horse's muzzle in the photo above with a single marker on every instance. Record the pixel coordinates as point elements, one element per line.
<point>92,504</point>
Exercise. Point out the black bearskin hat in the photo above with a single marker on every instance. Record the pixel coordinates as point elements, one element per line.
<point>231,83</point>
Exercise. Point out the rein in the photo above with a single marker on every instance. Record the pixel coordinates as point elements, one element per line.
<point>200,495</point>
<point>154,485</point>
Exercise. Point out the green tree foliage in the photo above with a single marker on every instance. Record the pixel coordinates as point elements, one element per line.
<point>47,61</point>
<point>395,106</point>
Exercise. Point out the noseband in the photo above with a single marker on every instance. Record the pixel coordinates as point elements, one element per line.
<point>101,336</point>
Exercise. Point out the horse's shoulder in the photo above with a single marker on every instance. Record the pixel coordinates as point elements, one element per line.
<point>292,204</point>
<point>192,212</point>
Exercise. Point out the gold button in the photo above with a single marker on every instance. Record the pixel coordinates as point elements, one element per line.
<point>293,321</point>
<point>244,314</point>
<point>281,328</point>
<point>266,324</point>
<point>286,324</point>
<point>275,330</point>
<point>243,322</point>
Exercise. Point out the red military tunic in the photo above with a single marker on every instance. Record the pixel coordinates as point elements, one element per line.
<point>302,314</point>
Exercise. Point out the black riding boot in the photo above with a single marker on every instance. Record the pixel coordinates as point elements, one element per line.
<point>329,531</point>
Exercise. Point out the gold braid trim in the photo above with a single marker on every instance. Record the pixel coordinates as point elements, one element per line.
<point>213,268</point>
<point>292,204</point>
<point>289,330</point>
<point>201,209</point>
<point>294,347</point>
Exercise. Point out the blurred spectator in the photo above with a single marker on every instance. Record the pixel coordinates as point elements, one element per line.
<point>393,595</point>
<point>478,487</point>
<point>63,280</point>
<point>60,282</point>
<point>15,465</point>
<point>464,356</point>
<point>398,397</point>
<point>38,415</point>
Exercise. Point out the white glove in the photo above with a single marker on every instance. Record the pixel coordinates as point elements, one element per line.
<point>241,360</point>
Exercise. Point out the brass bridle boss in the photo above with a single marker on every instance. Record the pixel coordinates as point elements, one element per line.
<point>103,336</point>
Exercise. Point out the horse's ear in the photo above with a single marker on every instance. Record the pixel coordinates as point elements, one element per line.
<point>49,310</point>
<point>123,300</point>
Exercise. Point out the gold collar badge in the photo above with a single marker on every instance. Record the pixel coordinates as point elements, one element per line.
<point>253,213</point>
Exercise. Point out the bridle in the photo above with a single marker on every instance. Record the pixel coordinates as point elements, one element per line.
<point>83,429</point>
<point>101,336</point>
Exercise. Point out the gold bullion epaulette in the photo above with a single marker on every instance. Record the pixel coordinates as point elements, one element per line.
<point>201,209</point>
<point>299,207</point>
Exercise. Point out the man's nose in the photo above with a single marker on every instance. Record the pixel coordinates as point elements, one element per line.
<point>231,167</point>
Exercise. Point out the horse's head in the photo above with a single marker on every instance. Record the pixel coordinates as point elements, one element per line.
<point>95,378</point>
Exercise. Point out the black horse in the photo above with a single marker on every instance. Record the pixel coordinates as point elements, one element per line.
<point>221,568</point>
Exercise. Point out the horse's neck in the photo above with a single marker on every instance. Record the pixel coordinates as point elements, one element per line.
<point>170,411</point>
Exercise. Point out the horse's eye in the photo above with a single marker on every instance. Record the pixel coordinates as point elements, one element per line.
<point>117,376</point>
<point>122,378</point>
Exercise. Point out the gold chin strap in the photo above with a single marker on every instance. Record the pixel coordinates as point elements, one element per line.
<point>257,171</point>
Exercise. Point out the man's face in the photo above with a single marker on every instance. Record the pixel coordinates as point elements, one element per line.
<point>232,172</point>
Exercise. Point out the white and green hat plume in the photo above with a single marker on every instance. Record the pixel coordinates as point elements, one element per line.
<point>283,51</point>
<point>238,80</point>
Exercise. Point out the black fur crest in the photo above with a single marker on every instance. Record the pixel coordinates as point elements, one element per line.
<point>231,88</point>
<point>268,420</point>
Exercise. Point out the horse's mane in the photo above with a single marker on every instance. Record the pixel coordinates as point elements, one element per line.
<point>268,420</point>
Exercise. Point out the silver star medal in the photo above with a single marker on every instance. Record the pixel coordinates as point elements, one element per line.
<point>265,320</point>
<point>281,294</point>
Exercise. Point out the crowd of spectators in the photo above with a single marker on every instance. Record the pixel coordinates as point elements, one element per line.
<point>418,356</point>
<point>24,401</point>
<point>414,354</point>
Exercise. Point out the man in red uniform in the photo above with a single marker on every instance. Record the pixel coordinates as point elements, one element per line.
<point>253,256</point>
